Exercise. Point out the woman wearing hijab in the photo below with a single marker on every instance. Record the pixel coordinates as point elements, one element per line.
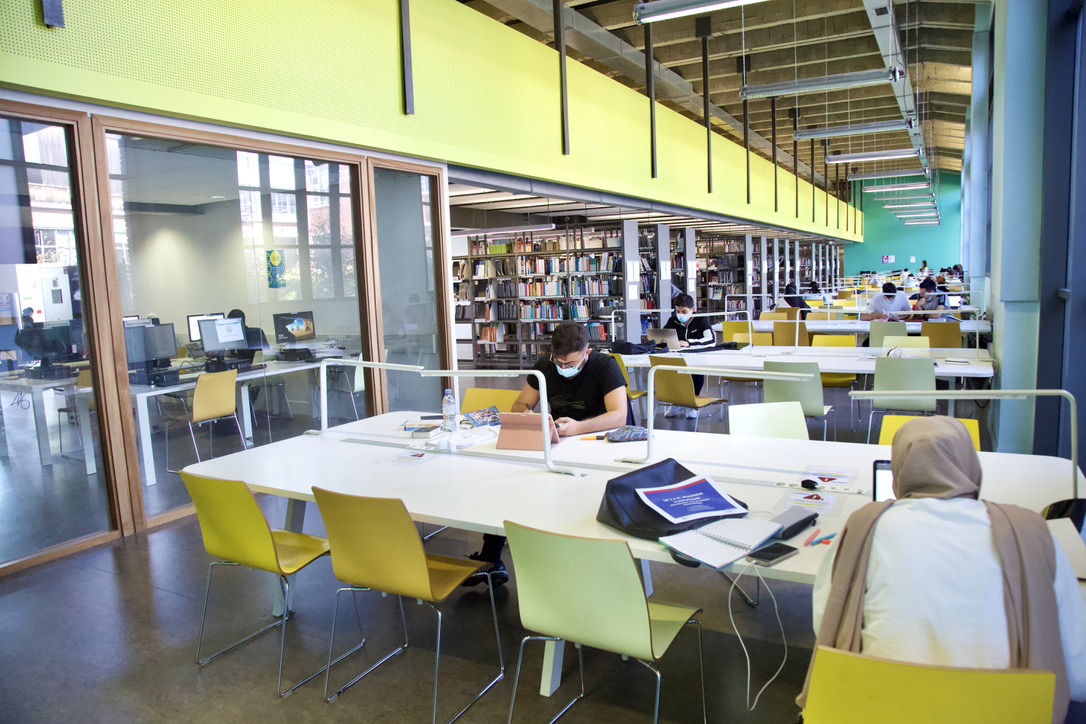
<point>941,577</point>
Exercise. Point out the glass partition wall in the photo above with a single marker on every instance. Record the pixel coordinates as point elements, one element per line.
<point>52,490</point>
<point>238,260</point>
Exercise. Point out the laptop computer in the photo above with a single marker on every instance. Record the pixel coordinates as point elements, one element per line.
<point>668,336</point>
<point>521,431</point>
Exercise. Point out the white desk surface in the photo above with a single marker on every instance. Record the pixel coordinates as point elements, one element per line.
<point>857,326</point>
<point>36,389</point>
<point>848,360</point>
<point>478,493</point>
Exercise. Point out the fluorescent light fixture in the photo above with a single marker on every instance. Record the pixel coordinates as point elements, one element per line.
<point>891,154</point>
<point>912,197</point>
<point>503,230</point>
<point>804,134</point>
<point>858,79</point>
<point>917,205</point>
<point>918,215</point>
<point>896,187</point>
<point>876,175</point>
<point>652,12</point>
<point>934,222</point>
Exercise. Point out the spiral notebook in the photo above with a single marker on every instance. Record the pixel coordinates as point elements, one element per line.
<point>723,541</point>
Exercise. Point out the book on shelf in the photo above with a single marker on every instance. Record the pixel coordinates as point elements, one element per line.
<point>723,541</point>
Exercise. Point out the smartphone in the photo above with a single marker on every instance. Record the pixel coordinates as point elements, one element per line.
<point>772,554</point>
<point>883,477</point>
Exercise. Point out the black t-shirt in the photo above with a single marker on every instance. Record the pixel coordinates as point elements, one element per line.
<point>580,397</point>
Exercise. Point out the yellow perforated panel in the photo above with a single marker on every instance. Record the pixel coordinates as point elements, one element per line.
<point>485,95</point>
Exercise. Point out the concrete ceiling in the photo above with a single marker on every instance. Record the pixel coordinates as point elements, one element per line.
<point>784,40</point>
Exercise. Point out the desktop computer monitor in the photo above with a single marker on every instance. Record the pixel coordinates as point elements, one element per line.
<point>147,344</point>
<point>294,327</point>
<point>221,335</point>
<point>194,324</point>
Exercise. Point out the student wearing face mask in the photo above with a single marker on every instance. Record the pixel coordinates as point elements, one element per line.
<point>586,393</point>
<point>693,332</point>
<point>888,305</point>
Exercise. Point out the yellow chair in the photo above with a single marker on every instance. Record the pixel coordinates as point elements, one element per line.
<point>816,303</point>
<point>476,398</point>
<point>891,423</point>
<point>902,373</point>
<point>880,329</point>
<point>213,399</point>
<point>838,379</point>
<point>943,335</point>
<point>905,341</point>
<point>785,334</point>
<point>846,294</point>
<point>848,688</point>
<point>775,315</point>
<point>808,393</point>
<point>631,393</point>
<point>83,380</point>
<point>728,330</point>
<point>788,312</point>
<point>674,388</point>
<point>376,546</point>
<point>606,610</point>
<point>768,419</point>
<point>761,339</point>
<point>820,316</point>
<point>234,528</point>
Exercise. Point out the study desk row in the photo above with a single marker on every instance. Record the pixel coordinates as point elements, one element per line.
<point>857,326</point>
<point>479,487</point>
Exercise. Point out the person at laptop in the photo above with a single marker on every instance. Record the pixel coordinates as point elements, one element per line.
<point>255,340</point>
<point>693,333</point>
<point>586,393</point>
<point>929,300</point>
<point>941,577</point>
<point>793,298</point>
<point>888,305</point>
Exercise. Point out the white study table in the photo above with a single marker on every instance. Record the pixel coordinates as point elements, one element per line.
<point>481,487</point>
<point>36,389</point>
<point>847,360</point>
<point>142,394</point>
<point>857,326</point>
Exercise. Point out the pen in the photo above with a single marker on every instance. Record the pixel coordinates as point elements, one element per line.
<point>593,437</point>
<point>813,536</point>
<point>824,539</point>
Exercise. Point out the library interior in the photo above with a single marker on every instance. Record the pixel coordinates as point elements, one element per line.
<point>294,287</point>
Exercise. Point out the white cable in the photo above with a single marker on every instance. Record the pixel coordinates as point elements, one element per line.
<point>746,655</point>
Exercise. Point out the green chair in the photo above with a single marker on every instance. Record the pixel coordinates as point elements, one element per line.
<point>849,688</point>
<point>674,388</point>
<point>905,342</point>
<point>606,610</point>
<point>808,393</point>
<point>234,528</point>
<point>375,546</point>
<point>902,373</point>
<point>768,419</point>
<point>880,329</point>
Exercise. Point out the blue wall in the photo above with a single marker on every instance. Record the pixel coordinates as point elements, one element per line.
<point>885,234</point>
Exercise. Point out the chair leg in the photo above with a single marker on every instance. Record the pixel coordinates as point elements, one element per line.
<point>656,707</point>
<point>501,660</point>
<point>516,678</point>
<point>203,620</point>
<point>331,642</point>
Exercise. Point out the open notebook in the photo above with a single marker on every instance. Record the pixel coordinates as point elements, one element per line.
<point>723,541</point>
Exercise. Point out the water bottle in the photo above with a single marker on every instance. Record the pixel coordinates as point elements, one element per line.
<point>448,412</point>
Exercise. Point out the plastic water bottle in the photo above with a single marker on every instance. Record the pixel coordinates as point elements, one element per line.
<point>448,412</point>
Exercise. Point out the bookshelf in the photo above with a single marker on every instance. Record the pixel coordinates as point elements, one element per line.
<point>511,291</point>
<point>721,264</point>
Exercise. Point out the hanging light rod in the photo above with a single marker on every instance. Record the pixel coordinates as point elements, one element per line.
<point>877,175</point>
<point>657,10</point>
<point>890,154</point>
<point>503,230</point>
<point>804,134</point>
<point>857,79</point>
<point>896,187</point>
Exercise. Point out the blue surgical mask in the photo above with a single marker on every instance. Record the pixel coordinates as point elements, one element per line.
<point>684,318</point>
<point>567,372</point>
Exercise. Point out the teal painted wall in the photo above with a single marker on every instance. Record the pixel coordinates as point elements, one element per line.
<point>885,234</point>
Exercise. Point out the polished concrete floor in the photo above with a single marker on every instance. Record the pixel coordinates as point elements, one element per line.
<point>110,635</point>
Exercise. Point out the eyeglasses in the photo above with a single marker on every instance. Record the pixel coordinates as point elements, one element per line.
<point>566,365</point>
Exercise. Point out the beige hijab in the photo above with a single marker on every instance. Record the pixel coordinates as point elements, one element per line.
<point>933,457</point>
